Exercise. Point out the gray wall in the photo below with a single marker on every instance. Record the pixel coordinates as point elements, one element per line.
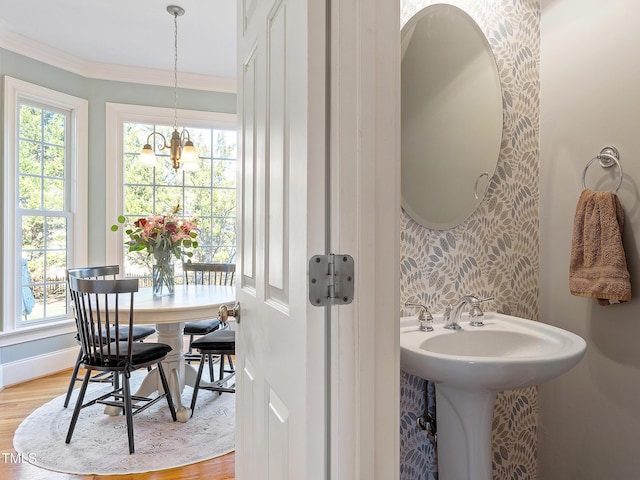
<point>98,93</point>
<point>590,98</point>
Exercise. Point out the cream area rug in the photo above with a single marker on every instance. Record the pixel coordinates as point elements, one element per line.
<point>99,444</point>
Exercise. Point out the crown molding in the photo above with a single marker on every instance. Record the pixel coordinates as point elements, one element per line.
<point>103,71</point>
<point>165,78</point>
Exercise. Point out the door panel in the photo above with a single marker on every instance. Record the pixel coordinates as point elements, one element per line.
<point>278,438</point>
<point>246,202</point>
<point>245,439</point>
<point>278,155</point>
<point>281,340</point>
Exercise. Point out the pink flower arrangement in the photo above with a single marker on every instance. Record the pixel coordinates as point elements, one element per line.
<point>162,235</point>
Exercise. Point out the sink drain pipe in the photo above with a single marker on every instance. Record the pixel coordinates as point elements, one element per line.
<point>427,422</point>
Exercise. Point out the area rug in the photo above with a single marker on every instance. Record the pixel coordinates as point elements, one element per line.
<point>99,445</point>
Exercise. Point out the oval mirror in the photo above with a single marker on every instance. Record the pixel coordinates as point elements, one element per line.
<point>451,116</point>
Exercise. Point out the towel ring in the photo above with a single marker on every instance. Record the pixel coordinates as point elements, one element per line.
<point>607,157</point>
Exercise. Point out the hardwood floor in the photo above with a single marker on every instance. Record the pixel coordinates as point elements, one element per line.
<point>18,401</point>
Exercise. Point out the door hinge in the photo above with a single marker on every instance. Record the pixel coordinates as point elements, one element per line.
<point>331,279</point>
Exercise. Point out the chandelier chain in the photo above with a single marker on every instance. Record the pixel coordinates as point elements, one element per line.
<point>175,72</point>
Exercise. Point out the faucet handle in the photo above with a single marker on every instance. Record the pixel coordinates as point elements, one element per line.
<point>425,319</point>
<point>476,313</point>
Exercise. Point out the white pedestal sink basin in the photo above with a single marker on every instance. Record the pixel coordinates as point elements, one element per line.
<point>470,366</point>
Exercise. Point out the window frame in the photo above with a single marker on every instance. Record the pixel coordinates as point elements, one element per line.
<point>16,91</point>
<point>117,115</point>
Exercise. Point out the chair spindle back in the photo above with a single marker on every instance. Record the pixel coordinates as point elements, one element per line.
<point>209,273</point>
<point>100,310</point>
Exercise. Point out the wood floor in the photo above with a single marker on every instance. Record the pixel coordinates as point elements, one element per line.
<point>18,401</point>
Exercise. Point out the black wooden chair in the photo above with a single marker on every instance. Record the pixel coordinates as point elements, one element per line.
<point>140,332</point>
<point>205,274</point>
<point>106,308</point>
<point>221,342</point>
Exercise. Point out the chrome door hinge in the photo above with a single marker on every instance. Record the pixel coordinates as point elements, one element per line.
<point>331,279</point>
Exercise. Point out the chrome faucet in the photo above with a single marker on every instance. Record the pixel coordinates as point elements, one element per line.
<point>425,319</point>
<point>452,313</point>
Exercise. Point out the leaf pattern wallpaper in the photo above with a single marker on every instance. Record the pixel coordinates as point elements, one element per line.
<point>494,252</point>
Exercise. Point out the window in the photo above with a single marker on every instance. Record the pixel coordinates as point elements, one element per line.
<point>45,199</point>
<point>209,194</point>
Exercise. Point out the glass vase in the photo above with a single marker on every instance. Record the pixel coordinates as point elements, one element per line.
<point>163,276</point>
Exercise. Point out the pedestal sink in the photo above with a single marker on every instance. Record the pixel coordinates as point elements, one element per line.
<point>470,366</point>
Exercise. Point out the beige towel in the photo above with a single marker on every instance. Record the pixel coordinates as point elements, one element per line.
<point>598,266</point>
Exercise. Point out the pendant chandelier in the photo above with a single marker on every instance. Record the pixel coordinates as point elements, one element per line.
<point>181,150</point>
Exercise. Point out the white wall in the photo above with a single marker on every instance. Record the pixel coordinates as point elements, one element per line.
<point>590,98</point>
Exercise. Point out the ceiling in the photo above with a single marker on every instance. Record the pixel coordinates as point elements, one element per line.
<point>137,33</point>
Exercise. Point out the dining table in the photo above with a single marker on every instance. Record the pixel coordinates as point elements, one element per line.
<point>168,313</point>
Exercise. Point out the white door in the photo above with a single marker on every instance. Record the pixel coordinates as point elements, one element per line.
<point>295,418</point>
<point>281,394</point>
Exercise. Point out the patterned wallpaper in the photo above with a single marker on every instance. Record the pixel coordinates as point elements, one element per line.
<point>494,252</point>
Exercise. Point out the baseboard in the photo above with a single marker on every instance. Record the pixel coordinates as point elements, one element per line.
<point>42,365</point>
<point>37,366</point>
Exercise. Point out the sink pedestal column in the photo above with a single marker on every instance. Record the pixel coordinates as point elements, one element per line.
<point>464,433</point>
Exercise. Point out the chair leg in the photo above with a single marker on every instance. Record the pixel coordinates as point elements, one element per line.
<point>127,410</point>
<point>197,384</point>
<point>221,369</point>
<point>230,362</point>
<point>190,349</point>
<point>74,376</point>
<point>78,407</point>
<point>210,359</point>
<point>165,386</point>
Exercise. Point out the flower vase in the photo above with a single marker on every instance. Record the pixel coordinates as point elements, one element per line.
<point>163,276</point>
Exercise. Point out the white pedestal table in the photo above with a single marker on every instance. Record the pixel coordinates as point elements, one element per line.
<point>169,313</point>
